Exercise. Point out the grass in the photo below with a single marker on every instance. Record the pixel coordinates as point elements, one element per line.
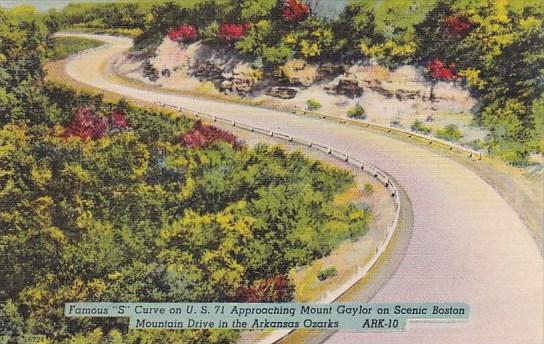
<point>66,46</point>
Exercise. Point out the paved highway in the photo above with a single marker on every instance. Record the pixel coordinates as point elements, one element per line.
<point>468,244</point>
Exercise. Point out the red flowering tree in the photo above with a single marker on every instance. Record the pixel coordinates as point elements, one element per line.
<point>118,120</point>
<point>205,135</point>
<point>232,32</point>
<point>295,11</point>
<point>274,289</point>
<point>87,125</point>
<point>183,33</point>
<point>457,25</point>
<point>438,70</point>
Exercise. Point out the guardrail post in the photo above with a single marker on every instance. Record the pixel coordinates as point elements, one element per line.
<point>310,144</point>
<point>271,133</point>
<point>329,150</point>
<point>480,158</point>
<point>290,138</point>
<point>233,123</point>
<point>346,158</point>
<point>252,129</point>
<point>363,166</point>
<point>215,118</point>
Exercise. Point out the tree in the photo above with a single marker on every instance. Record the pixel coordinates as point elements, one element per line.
<point>183,33</point>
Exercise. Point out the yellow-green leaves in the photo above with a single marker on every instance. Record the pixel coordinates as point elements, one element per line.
<point>472,76</point>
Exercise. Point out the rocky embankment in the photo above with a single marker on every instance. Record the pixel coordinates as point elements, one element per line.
<point>400,95</point>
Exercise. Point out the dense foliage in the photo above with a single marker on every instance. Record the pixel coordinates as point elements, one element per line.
<point>108,202</point>
<point>495,48</point>
<point>498,49</point>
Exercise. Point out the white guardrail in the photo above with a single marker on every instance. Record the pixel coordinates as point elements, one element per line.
<point>367,124</point>
<point>384,178</point>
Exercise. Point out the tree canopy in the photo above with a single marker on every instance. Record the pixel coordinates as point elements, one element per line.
<point>109,202</point>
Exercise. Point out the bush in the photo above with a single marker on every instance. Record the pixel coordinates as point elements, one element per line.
<point>327,272</point>
<point>313,105</point>
<point>150,72</point>
<point>450,133</point>
<point>419,127</point>
<point>368,188</point>
<point>357,112</point>
<point>183,33</point>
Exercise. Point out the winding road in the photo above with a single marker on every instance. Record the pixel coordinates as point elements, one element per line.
<point>468,245</point>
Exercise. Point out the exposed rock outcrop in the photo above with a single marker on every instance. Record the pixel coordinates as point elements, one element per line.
<point>282,92</point>
<point>300,73</point>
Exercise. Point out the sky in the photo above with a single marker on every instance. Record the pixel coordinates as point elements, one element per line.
<point>326,5</point>
<point>40,4</point>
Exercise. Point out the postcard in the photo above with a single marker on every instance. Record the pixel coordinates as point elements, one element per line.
<point>272,171</point>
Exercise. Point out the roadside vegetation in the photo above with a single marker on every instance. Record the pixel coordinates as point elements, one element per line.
<point>63,47</point>
<point>419,127</point>
<point>313,105</point>
<point>469,43</point>
<point>109,202</point>
<point>356,112</point>
<point>327,272</point>
<point>449,133</point>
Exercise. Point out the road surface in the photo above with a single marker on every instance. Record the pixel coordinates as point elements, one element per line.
<point>468,245</point>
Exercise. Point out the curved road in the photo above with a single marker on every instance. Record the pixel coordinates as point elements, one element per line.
<point>468,245</point>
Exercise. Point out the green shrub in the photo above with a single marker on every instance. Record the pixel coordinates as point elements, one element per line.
<point>419,127</point>
<point>357,112</point>
<point>368,188</point>
<point>150,72</point>
<point>449,133</point>
<point>313,105</point>
<point>327,272</point>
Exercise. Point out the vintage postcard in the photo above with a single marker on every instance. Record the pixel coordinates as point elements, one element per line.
<point>272,171</point>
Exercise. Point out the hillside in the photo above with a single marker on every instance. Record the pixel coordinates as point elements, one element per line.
<point>491,49</point>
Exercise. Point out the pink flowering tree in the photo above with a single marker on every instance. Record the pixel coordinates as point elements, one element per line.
<point>87,125</point>
<point>457,26</point>
<point>437,70</point>
<point>202,136</point>
<point>184,33</point>
<point>232,31</point>
<point>295,11</point>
